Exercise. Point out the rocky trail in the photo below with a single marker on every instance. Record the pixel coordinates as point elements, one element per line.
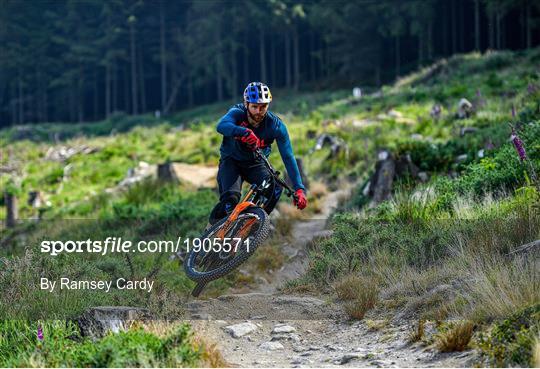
<point>267,328</point>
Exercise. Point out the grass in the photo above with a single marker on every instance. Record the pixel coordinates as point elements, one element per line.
<point>376,325</point>
<point>417,333</point>
<point>536,353</point>
<point>360,294</point>
<point>455,338</point>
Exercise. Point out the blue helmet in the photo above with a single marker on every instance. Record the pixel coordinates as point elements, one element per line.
<point>257,92</point>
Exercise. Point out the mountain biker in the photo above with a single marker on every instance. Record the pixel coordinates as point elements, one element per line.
<point>245,128</point>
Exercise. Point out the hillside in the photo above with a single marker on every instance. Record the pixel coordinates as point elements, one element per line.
<point>443,250</point>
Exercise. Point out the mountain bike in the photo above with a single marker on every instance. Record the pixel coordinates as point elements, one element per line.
<point>232,240</point>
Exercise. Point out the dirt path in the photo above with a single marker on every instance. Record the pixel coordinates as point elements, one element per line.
<point>265,328</point>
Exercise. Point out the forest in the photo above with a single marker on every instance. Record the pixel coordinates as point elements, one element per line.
<point>84,60</point>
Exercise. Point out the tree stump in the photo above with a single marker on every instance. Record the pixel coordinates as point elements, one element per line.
<point>303,175</point>
<point>405,166</point>
<point>96,322</point>
<point>381,182</point>
<point>12,209</point>
<point>166,173</point>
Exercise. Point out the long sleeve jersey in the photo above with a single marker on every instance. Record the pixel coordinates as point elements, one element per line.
<point>235,124</point>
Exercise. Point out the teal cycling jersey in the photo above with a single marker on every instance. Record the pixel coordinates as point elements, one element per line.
<point>235,124</point>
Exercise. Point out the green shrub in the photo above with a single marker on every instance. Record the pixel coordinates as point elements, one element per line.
<point>62,346</point>
<point>511,341</point>
<point>500,171</point>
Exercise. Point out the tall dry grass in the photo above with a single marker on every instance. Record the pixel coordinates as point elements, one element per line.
<point>457,338</point>
<point>360,293</point>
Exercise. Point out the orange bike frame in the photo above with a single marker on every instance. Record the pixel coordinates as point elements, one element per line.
<point>234,215</point>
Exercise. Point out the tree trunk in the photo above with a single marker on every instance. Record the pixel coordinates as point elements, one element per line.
<point>107,89</point>
<point>273,61</point>
<point>162,48</point>
<point>498,29</point>
<point>45,103</point>
<point>296,44</point>
<point>173,72</point>
<point>127,97</point>
<point>20,100</point>
<point>529,25</point>
<point>445,29</point>
<point>262,56</point>
<point>142,83</point>
<point>35,94</point>
<point>522,31</point>
<point>95,90</point>
<point>453,17</point>
<point>190,92</point>
<point>430,41</point>
<point>397,56</point>
<point>134,91</point>
<point>288,79</point>
<point>503,32</point>
<point>234,74</point>
<point>246,60</point>
<point>328,61</point>
<point>461,28</point>
<point>219,70</point>
<point>219,85</point>
<point>80,95</point>
<point>12,213</point>
<point>38,95</point>
<point>477,25</point>
<point>114,70</point>
<point>13,103</point>
<point>72,97</point>
<point>420,48</point>
<point>491,28</point>
<point>311,57</point>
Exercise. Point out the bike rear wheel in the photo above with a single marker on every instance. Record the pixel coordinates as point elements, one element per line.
<point>252,225</point>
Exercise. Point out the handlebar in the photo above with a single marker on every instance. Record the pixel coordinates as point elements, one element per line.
<point>259,155</point>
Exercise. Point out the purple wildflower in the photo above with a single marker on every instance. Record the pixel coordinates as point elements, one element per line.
<point>40,333</point>
<point>513,111</point>
<point>518,144</point>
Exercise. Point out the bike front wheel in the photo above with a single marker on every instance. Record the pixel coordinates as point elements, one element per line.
<point>251,229</point>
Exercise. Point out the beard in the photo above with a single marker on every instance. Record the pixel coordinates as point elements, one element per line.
<point>255,120</point>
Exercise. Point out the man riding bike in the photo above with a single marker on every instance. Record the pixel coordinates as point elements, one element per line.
<point>245,128</point>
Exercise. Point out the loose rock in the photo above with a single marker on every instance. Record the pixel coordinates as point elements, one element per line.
<point>271,346</point>
<point>283,329</point>
<point>347,358</point>
<point>241,329</point>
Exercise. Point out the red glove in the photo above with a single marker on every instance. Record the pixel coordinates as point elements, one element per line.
<point>250,139</point>
<point>300,201</point>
